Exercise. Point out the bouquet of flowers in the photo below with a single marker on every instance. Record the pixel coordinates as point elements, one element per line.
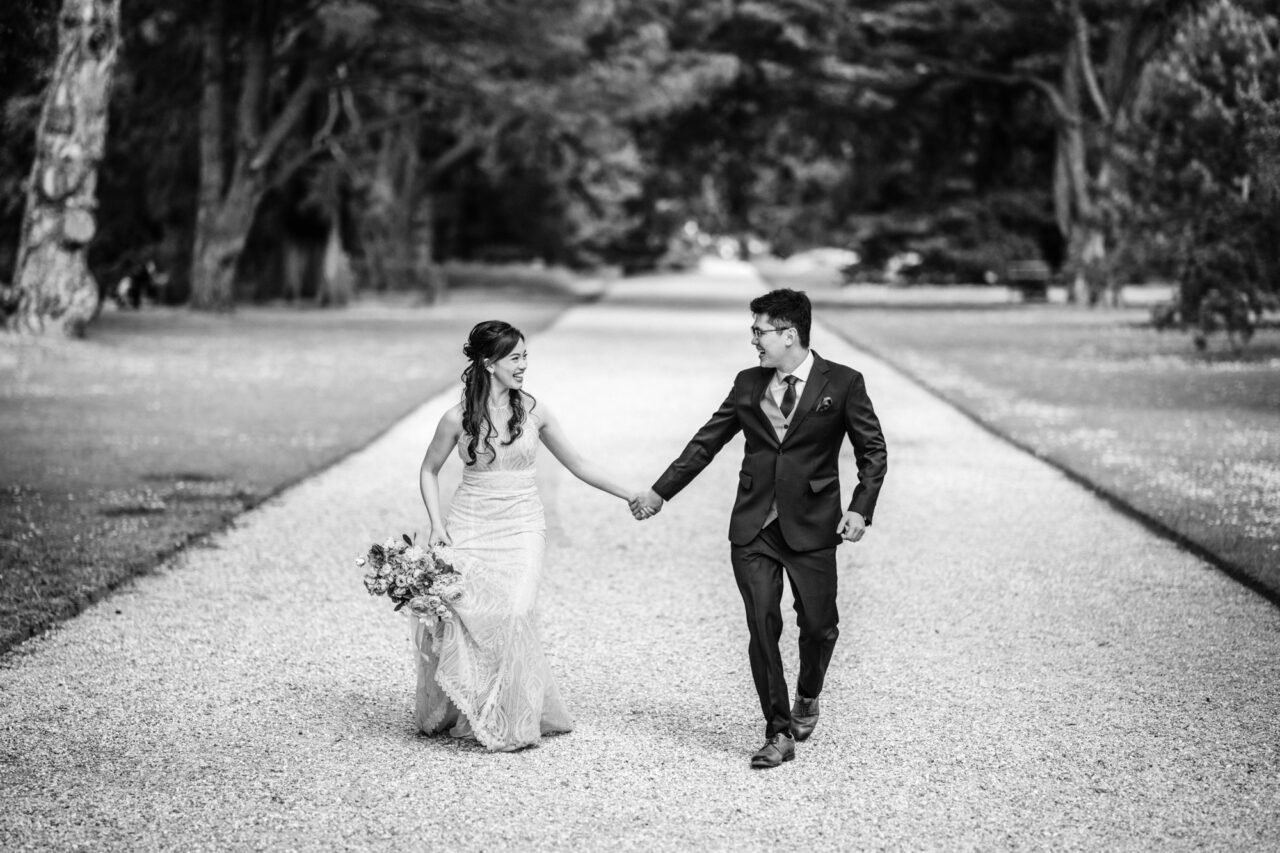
<point>424,579</point>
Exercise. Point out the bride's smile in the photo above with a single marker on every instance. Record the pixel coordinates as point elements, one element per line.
<point>508,371</point>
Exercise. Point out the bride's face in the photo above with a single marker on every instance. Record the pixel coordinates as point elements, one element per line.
<point>508,371</point>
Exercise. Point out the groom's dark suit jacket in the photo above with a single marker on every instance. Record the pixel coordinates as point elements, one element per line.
<point>801,471</point>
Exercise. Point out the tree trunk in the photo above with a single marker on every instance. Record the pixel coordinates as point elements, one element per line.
<point>221,232</point>
<point>337,282</point>
<point>397,223</point>
<point>234,175</point>
<point>1084,197</point>
<point>376,267</point>
<point>1075,202</point>
<point>214,259</point>
<point>429,276</point>
<point>55,288</point>
<point>295,267</point>
<point>383,214</point>
<point>1090,264</point>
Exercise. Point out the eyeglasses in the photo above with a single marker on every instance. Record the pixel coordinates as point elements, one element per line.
<point>756,334</point>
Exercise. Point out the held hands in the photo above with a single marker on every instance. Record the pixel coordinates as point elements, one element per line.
<point>645,504</point>
<point>851,527</point>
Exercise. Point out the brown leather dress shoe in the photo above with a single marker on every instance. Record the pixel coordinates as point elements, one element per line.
<point>777,749</point>
<point>804,717</point>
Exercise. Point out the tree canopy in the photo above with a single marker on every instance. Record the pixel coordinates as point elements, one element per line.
<point>301,149</point>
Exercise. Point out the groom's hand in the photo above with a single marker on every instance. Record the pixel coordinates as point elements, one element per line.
<point>852,526</point>
<point>647,504</point>
<point>639,506</point>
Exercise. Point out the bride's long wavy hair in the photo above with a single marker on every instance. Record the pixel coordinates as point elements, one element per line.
<point>489,341</point>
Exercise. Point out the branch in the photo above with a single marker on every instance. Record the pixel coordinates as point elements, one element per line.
<point>463,148</point>
<point>330,120</point>
<point>293,113</point>
<point>1086,62</point>
<point>254,85</point>
<point>321,143</point>
<point>348,100</point>
<point>286,171</point>
<point>213,164</point>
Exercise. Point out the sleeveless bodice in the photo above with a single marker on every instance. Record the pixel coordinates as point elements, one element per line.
<point>498,494</point>
<point>519,455</point>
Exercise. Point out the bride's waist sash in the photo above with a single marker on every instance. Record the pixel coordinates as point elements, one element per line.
<point>508,483</point>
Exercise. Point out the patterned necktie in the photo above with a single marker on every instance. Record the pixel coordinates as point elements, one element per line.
<point>789,395</point>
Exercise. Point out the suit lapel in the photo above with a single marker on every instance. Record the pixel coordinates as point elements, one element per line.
<point>757,396</point>
<point>812,388</point>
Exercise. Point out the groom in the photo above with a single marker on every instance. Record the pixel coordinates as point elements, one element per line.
<point>794,411</point>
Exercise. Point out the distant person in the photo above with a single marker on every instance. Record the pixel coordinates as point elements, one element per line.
<point>141,281</point>
<point>794,412</point>
<point>482,672</point>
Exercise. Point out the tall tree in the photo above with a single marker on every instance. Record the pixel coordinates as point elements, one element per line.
<point>55,289</point>
<point>1206,150</point>
<point>346,81</point>
<point>275,88</point>
<point>1085,60</point>
<point>1097,100</point>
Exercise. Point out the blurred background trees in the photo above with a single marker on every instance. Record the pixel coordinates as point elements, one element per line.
<point>1205,153</point>
<point>304,150</point>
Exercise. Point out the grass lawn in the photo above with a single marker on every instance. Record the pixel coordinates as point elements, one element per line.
<point>165,424</point>
<point>1190,441</point>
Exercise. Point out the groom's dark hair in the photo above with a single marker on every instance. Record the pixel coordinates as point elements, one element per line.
<point>787,307</point>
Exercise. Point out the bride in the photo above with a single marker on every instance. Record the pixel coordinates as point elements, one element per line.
<point>482,673</point>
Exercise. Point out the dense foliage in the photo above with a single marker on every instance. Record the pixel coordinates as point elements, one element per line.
<point>1207,147</point>
<point>300,148</point>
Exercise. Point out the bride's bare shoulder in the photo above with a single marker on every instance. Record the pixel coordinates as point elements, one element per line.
<point>452,419</point>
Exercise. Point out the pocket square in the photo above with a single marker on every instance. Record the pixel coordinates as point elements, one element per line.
<point>823,404</point>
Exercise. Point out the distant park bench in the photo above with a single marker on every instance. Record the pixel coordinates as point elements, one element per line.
<point>1030,278</point>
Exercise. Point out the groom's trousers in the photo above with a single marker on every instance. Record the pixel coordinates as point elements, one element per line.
<point>758,567</point>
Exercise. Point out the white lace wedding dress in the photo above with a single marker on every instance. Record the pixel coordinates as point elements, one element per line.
<point>482,673</point>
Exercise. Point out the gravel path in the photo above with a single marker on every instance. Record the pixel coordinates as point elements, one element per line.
<point>1019,667</point>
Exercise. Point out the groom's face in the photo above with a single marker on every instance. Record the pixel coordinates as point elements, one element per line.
<point>773,342</point>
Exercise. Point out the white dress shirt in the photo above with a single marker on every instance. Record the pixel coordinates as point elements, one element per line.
<point>777,387</point>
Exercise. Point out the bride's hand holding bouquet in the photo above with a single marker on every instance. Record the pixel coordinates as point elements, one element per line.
<point>426,580</point>
<point>440,537</point>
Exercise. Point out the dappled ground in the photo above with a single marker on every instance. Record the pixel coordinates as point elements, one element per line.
<point>164,424</point>
<point>1189,439</point>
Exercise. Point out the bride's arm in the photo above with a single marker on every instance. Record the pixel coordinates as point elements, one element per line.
<point>438,451</point>
<point>584,469</point>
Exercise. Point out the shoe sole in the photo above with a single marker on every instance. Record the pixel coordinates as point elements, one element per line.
<point>765,766</point>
